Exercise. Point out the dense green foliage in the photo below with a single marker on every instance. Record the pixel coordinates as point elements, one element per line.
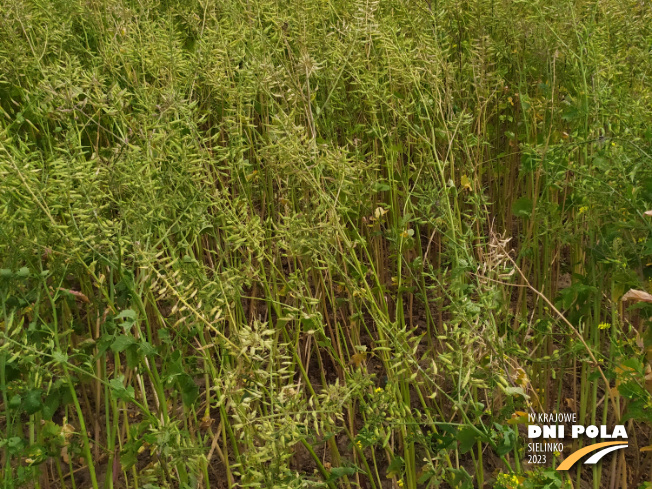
<point>321,243</point>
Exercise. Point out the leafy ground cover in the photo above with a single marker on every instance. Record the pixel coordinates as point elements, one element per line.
<point>322,243</point>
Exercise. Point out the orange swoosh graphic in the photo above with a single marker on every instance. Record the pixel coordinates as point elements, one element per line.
<point>575,456</point>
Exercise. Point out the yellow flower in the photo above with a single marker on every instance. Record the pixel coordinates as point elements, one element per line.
<point>508,481</point>
<point>400,482</point>
<point>604,326</point>
<point>583,209</point>
<point>378,390</point>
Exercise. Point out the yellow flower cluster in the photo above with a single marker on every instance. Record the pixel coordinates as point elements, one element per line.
<point>508,481</point>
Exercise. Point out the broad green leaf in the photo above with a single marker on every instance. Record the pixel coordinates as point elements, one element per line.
<point>23,272</point>
<point>122,342</point>
<point>32,401</point>
<point>515,391</point>
<point>188,388</point>
<point>522,207</point>
<point>337,472</point>
<point>395,467</point>
<point>51,404</point>
<point>460,479</point>
<point>467,437</point>
<point>127,314</point>
<point>120,391</point>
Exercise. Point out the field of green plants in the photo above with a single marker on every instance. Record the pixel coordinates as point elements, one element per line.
<point>322,243</point>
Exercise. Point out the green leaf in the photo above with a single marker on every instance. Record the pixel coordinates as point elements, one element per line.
<point>51,404</point>
<point>14,444</point>
<point>32,402</point>
<point>633,364</point>
<point>467,437</point>
<point>128,459</point>
<point>15,401</point>
<point>553,478</point>
<point>395,467</point>
<point>23,272</point>
<point>12,372</point>
<point>127,314</point>
<point>530,161</point>
<point>522,207</point>
<point>122,342</point>
<point>507,441</point>
<point>147,349</point>
<point>460,479</point>
<point>601,163</point>
<point>381,187</point>
<point>132,356</point>
<point>570,114</point>
<point>515,391</point>
<point>120,391</point>
<point>337,472</point>
<point>425,477</point>
<point>442,441</point>
<point>188,388</point>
